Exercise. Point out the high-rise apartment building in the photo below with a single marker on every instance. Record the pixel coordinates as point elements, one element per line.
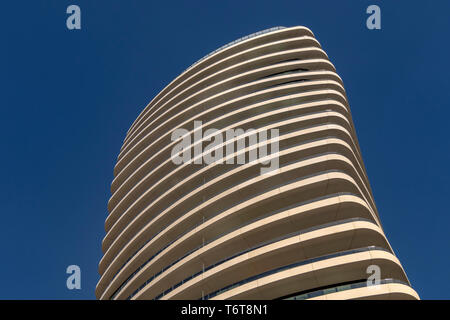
<point>308,229</point>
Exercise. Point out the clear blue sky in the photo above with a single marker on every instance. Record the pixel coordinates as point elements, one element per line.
<point>68,97</point>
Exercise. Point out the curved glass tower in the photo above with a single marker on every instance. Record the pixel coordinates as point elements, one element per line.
<point>223,229</point>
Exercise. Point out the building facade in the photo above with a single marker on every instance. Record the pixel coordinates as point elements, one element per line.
<point>307,229</point>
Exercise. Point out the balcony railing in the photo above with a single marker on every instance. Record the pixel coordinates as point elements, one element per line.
<point>236,41</point>
<point>294,265</point>
<point>318,293</point>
